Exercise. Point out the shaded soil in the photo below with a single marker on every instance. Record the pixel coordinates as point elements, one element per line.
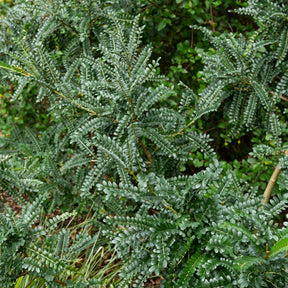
<point>7,200</point>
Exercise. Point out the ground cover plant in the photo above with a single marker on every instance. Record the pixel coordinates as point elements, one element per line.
<point>116,186</point>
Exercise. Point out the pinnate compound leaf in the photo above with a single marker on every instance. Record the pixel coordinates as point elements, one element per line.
<point>189,269</point>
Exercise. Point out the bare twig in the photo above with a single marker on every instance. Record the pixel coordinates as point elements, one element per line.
<point>271,183</point>
<point>283,98</point>
<point>146,151</point>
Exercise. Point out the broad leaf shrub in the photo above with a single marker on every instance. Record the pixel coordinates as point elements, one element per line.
<point>116,150</point>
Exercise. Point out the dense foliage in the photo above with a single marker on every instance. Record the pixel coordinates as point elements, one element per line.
<point>118,183</point>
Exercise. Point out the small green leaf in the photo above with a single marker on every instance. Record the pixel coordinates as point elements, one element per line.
<point>161,25</point>
<point>217,3</point>
<point>197,163</point>
<point>182,168</point>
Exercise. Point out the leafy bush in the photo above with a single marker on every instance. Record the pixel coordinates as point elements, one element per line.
<point>168,28</point>
<point>116,148</point>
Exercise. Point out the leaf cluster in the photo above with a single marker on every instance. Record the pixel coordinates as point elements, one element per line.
<point>116,149</point>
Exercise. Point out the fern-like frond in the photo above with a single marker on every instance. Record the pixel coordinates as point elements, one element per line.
<point>190,267</point>
<point>164,145</point>
<point>193,140</point>
<point>210,100</point>
<point>63,241</point>
<point>246,262</point>
<point>262,95</point>
<point>282,49</point>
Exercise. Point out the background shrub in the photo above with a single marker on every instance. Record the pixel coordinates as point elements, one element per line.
<point>122,161</point>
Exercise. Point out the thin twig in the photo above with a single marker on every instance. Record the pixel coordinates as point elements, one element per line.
<point>283,98</point>
<point>146,151</point>
<point>271,183</point>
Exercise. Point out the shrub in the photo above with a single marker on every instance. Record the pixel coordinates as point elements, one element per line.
<point>115,147</point>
